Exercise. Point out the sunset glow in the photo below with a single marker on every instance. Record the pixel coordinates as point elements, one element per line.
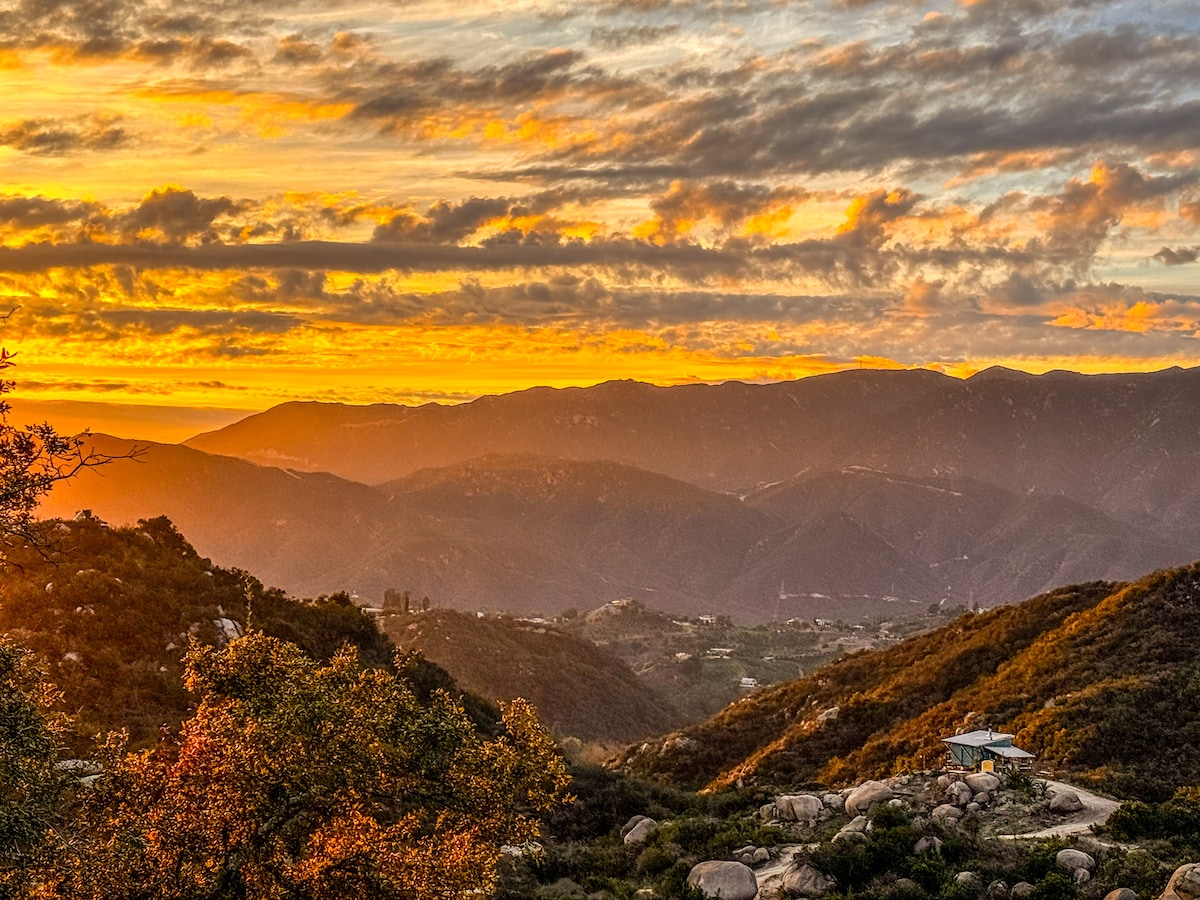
<point>207,206</point>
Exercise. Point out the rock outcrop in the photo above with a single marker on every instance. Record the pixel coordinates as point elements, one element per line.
<point>863,797</point>
<point>1065,802</point>
<point>806,881</point>
<point>640,832</point>
<point>724,880</point>
<point>1184,883</point>
<point>803,808</point>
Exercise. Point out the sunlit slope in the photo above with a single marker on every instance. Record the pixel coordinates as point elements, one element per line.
<point>1097,679</point>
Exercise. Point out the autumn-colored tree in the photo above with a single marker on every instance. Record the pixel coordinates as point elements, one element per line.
<point>301,780</point>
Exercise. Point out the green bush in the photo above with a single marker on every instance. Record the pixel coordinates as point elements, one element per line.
<point>1055,886</point>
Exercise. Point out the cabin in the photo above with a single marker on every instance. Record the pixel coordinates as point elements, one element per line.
<point>986,750</point>
<point>749,684</point>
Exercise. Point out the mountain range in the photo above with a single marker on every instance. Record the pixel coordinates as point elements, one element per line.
<point>835,495</point>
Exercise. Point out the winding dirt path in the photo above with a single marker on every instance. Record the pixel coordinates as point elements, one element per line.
<point>1096,811</point>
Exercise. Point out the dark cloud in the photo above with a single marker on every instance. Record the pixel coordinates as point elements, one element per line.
<point>59,137</point>
<point>177,214</point>
<point>443,223</point>
<point>32,212</point>
<point>1177,256</point>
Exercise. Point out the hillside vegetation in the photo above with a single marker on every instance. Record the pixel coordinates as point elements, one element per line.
<point>578,688</point>
<point>1100,680</point>
<point>111,612</point>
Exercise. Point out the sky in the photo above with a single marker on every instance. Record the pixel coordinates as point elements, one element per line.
<point>209,207</point>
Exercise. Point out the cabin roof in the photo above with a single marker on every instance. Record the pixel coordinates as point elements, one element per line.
<point>978,738</point>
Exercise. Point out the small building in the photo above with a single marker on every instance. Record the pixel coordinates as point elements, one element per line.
<point>749,684</point>
<point>987,750</point>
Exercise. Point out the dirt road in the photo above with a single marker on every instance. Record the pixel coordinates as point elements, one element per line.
<point>1096,811</point>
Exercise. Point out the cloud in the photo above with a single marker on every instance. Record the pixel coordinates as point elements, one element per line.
<point>443,222</point>
<point>176,215</point>
<point>1177,256</point>
<point>21,212</point>
<point>59,137</point>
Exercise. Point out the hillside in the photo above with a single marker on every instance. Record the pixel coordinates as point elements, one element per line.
<point>110,614</point>
<point>535,535</point>
<point>579,689</point>
<point>1097,679</point>
<point>289,528</point>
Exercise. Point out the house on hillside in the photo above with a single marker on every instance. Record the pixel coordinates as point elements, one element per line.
<point>986,750</point>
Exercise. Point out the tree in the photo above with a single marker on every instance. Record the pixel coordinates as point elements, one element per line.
<point>31,785</point>
<point>301,780</point>
<point>33,459</point>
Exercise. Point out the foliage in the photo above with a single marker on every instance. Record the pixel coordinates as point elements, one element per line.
<point>30,783</point>
<point>113,615</point>
<point>297,779</point>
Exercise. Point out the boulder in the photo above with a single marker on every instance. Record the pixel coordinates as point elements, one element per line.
<point>968,879</point>
<point>766,812</point>
<point>997,890</point>
<point>945,812</point>
<point>1065,802</point>
<point>895,802</point>
<point>641,831</point>
<point>1082,876</point>
<point>805,881</point>
<point>973,807</point>
<point>959,794</point>
<point>628,826</point>
<point>1184,883</point>
<point>848,836</point>
<point>726,880</point>
<point>1069,860</point>
<point>866,795</point>
<point>927,844</point>
<point>834,802</point>
<point>802,808</point>
<point>982,781</point>
<point>761,855</point>
<point>1022,890</point>
<point>982,797</point>
<point>858,823</point>
<point>1121,894</point>
<point>904,886</point>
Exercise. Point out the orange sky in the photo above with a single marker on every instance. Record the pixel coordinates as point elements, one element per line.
<point>206,209</point>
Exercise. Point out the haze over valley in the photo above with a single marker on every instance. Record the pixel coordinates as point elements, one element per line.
<point>849,495</point>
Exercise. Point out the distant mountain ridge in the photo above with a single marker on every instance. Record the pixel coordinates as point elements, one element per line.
<point>1128,445</point>
<point>831,496</point>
